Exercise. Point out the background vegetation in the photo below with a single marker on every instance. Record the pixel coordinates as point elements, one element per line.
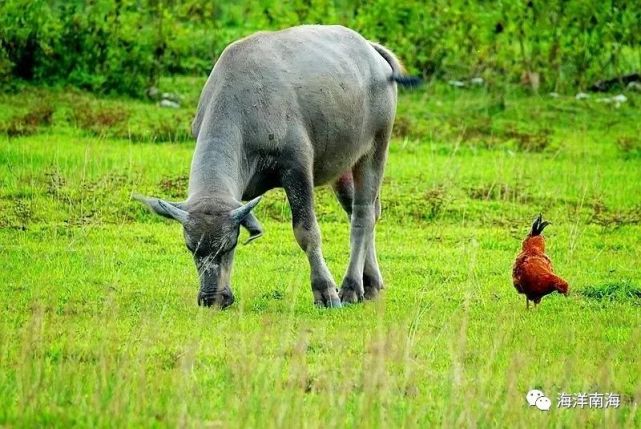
<point>126,45</point>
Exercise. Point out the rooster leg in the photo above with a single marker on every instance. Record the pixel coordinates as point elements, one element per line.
<point>527,303</point>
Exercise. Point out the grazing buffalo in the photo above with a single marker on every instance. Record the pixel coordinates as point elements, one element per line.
<point>297,108</point>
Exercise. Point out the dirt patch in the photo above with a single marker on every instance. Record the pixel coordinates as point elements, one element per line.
<point>629,146</point>
<point>23,125</point>
<point>100,120</point>
<point>498,192</point>
<point>536,141</point>
<point>55,182</point>
<point>435,201</point>
<point>175,187</point>
<point>603,216</point>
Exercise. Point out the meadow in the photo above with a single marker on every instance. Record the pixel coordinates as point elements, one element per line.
<point>99,325</point>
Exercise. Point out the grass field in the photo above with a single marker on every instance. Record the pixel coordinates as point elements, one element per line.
<point>99,325</point>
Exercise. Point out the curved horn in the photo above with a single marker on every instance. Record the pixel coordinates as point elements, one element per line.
<point>241,212</point>
<point>164,208</point>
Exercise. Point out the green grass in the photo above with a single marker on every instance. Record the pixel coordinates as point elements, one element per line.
<point>100,326</point>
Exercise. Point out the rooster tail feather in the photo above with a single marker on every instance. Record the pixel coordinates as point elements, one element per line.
<point>538,225</point>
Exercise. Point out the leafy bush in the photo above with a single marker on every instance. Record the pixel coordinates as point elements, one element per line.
<point>124,45</point>
<point>105,45</point>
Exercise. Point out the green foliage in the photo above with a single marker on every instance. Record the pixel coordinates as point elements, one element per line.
<point>103,45</point>
<point>125,45</point>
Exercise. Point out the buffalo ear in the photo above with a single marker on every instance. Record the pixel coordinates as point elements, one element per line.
<point>251,224</point>
<point>164,208</point>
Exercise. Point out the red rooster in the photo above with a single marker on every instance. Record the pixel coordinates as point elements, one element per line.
<point>532,273</point>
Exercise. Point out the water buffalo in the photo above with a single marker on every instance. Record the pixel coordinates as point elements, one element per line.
<point>296,108</point>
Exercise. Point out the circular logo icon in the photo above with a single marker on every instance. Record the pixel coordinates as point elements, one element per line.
<point>543,403</point>
<point>533,395</point>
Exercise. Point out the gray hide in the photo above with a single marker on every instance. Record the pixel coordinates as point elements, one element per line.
<point>296,108</point>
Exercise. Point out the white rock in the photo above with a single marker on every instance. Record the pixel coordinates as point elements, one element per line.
<point>634,86</point>
<point>477,81</point>
<point>617,100</point>
<point>170,96</point>
<point>456,83</point>
<point>620,98</point>
<point>582,96</point>
<point>169,103</point>
<point>153,92</point>
<point>554,94</point>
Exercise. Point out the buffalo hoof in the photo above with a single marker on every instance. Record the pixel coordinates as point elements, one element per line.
<point>372,292</point>
<point>326,295</point>
<point>329,303</point>
<point>351,292</point>
<point>220,300</point>
<point>372,287</point>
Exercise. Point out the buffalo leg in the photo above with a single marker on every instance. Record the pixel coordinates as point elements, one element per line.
<point>372,278</point>
<point>299,188</point>
<point>368,175</point>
